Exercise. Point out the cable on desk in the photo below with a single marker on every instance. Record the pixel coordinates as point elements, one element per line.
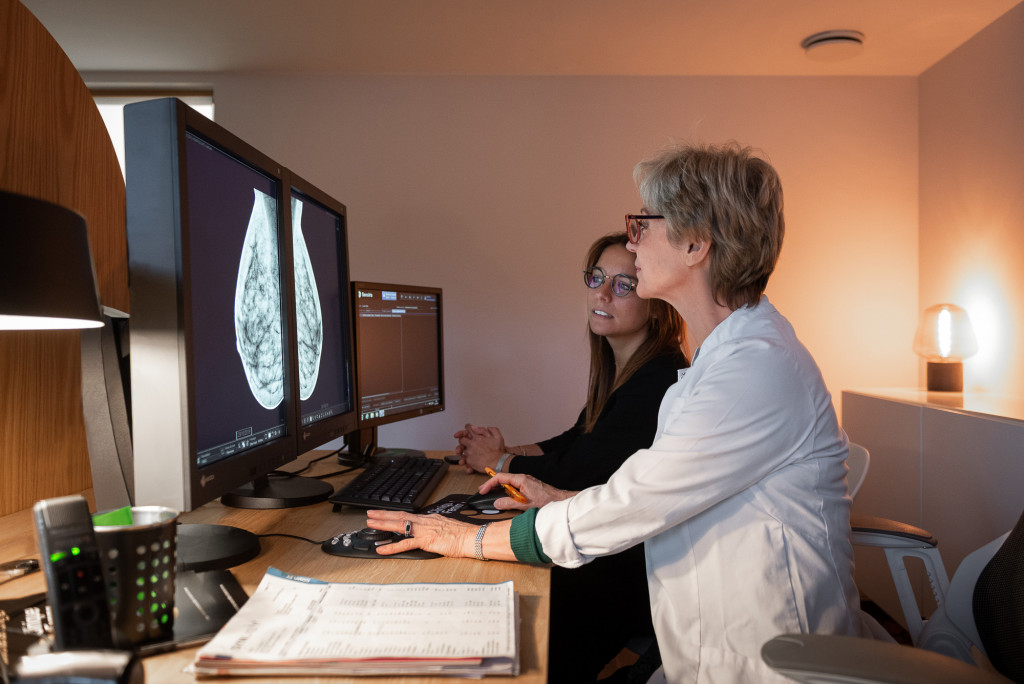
<point>336,472</point>
<point>292,536</point>
<point>309,464</point>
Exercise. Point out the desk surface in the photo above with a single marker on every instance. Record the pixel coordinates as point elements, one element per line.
<point>319,522</point>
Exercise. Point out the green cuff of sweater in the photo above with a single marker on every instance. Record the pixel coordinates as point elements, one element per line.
<point>523,537</point>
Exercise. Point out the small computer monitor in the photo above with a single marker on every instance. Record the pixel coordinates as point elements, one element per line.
<point>212,320</point>
<point>399,350</point>
<point>325,372</point>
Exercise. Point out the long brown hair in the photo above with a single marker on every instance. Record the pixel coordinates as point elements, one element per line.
<point>665,335</point>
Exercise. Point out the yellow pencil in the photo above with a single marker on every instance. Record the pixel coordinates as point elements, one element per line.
<point>509,489</point>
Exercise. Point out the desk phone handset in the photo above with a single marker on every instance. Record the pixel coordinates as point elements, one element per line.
<point>74,576</point>
<point>78,603</point>
<point>364,543</point>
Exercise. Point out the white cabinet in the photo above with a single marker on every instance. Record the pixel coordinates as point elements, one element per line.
<point>950,463</point>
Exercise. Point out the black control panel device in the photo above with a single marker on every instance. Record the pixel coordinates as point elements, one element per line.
<point>74,575</point>
<point>365,542</point>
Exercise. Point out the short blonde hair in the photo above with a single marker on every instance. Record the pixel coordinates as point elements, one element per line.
<point>729,196</point>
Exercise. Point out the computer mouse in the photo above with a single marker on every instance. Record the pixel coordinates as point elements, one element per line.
<point>364,543</point>
<point>484,503</point>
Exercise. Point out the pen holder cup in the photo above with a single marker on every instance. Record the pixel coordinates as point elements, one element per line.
<point>138,567</point>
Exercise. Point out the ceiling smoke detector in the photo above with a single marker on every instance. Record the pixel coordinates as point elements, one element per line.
<point>833,46</point>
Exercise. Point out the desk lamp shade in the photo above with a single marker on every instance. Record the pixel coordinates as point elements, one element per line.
<point>47,281</point>
<point>944,338</point>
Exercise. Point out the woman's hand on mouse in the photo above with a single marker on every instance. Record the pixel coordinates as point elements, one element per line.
<point>536,492</point>
<point>434,533</point>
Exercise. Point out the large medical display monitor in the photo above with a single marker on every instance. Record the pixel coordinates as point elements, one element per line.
<point>326,376</point>
<point>212,321</point>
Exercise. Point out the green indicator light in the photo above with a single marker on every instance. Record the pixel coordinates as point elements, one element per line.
<point>141,596</point>
<point>163,618</point>
<point>139,581</point>
<point>75,550</point>
<point>153,579</point>
<point>153,608</point>
<point>58,556</point>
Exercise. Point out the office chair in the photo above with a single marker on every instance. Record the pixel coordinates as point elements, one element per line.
<point>983,609</point>
<point>899,541</point>
<point>858,462</point>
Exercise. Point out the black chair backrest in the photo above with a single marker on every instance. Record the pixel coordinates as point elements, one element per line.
<point>999,605</point>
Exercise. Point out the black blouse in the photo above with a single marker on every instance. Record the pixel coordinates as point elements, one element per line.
<point>575,460</point>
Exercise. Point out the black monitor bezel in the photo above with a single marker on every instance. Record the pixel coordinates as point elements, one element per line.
<point>323,431</point>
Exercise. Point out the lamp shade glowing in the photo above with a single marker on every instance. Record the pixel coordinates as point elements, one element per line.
<point>944,334</point>
<point>944,338</point>
<point>47,280</point>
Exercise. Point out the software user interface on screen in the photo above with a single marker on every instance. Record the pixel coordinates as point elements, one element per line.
<point>398,352</point>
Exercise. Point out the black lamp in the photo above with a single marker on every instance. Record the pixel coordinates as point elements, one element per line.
<point>47,282</point>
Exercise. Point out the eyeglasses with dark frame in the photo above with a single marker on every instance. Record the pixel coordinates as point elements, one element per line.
<point>621,284</point>
<point>636,224</point>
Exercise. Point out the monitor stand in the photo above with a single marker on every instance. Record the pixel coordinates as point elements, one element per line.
<point>362,446</point>
<point>278,490</point>
<point>203,547</point>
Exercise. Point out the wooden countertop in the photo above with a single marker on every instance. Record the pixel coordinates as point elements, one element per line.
<point>319,522</point>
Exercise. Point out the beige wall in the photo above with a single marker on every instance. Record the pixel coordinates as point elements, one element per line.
<point>972,196</point>
<point>493,187</point>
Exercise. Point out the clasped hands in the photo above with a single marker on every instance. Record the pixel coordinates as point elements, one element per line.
<point>479,447</point>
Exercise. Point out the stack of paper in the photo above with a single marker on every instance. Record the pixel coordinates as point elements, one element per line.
<point>302,626</point>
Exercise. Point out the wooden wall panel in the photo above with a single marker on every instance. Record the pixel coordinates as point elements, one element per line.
<point>54,146</point>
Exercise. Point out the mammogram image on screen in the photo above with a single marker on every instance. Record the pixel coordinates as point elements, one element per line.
<point>258,304</point>
<point>308,315</point>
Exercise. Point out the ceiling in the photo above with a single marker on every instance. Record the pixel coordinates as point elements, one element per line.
<point>529,37</point>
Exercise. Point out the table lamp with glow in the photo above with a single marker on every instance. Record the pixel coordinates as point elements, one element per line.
<point>944,338</point>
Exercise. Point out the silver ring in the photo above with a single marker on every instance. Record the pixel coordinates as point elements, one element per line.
<point>408,528</point>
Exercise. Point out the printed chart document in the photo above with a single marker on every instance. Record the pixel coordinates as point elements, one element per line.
<point>303,626</point>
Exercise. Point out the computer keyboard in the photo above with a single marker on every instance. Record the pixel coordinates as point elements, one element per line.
<point>401,483</point>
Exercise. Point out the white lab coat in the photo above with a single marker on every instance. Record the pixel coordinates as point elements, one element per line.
<point>742,503</point>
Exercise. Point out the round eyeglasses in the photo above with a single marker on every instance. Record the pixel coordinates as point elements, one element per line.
<point>636,224</point>
<point>621,284</point>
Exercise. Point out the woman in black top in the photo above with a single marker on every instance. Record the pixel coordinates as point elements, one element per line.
<point>635,355</point>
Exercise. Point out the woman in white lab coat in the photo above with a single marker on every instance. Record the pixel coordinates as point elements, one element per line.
<point>741,499</point>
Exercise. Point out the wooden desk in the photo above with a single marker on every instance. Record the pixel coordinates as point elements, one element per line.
<point>319,522</point>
